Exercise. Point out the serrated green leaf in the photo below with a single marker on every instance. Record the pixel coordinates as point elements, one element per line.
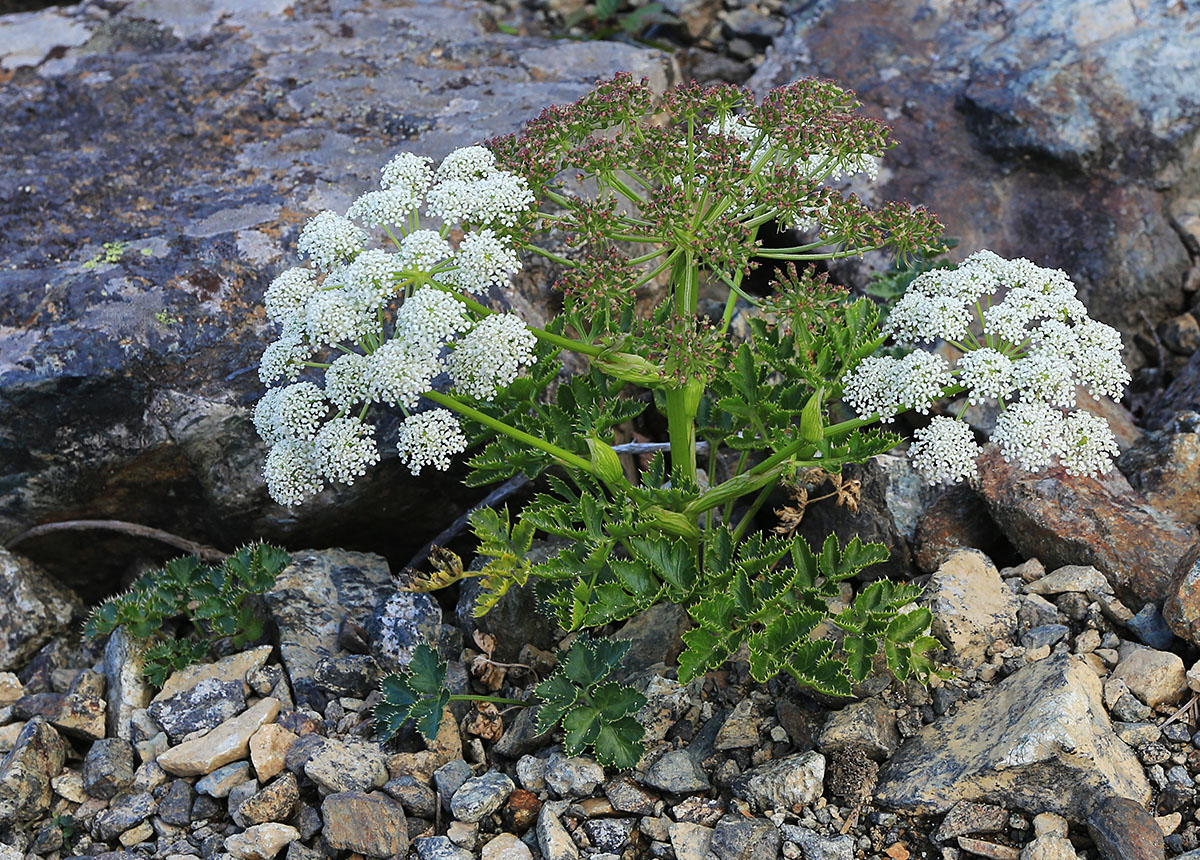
<point>426,670</point>
<point>859,652</point>
<point>619,744</point>
<point>581,726</point>
<point>614,701</point>
<point>558,696</point>
<point>705,650</point>
<point>904,629</point>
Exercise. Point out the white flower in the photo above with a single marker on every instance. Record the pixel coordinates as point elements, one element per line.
<point>1097,359</point>
<point>430,439</point>
<point>500,199</point>
<point>987,373</point>
<point>329,239</point>
<point>453,201</point>
<point>884,386</point>
<point>921,378</point>
<point>289,292</point>
<point>857,163</point>
<point>870,388</point>
<point>491,355</point>
<point>966,283</point>
<point>1046,376</point>
<point>344,449</point>
<point>264,417</point>
<point>429,317</point>
<point>1088,444</point>
<point>422,250</point>
<point>373,272</point>
<point>1030,431</point>
<point>390,208</point>
<point>296,411</point>
<point>946,450</point>
<point>284,357</point>
<point>921,318</point>
<point>407,172</point>
<point>348,380</point>
<point>483,260</point>
<point>334,316</point>
<point>401,371</point>
<point>466,164</point>
<point>291,472</point>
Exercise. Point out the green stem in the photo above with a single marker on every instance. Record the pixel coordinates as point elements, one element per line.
<point>564,456</point>
<point>744,522</point>
<point>499,700</point>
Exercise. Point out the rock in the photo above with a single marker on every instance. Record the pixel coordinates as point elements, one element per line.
<point>738,838</point>
<point>967,818</point>
<point>227,743</point>
<point>1182,607</point>
<point>553,839</point>
<point>124,811</point>
<point>235,667</point>
<point>506,847</point>
<point>1071,579</point>
<point>814,846</point>
<point>175,805</point>
<point>224,779</point>
<point>449,778</point>
<point>690,841</point>
<point>625,795</point>
<point>268,750</point>
<point>33,609</point>
<point>127,688</point>
<point>609,835</point>
<point>80,716</point>
<point>370,824</point>
<point>515,620</point>
<point>1063,519</point>
<point>1045,635</point>
<point>1123,830</point>
<point>521,735</point>
<point>957,519</point>
<point>163,343</point>
<point>417,798</point>
<point>341,766</point>
<point>793,780</point>
<point>740,728</point>
<point>521,811</point>
<point>1040,740</point>
<point>654,636</point>
<point>972,607</point>
<point>261,842</point>
<point>1034,120</point>
<point>309,601</point>
<point>11,688</point>
<point>108,767</point>
<point>480,796</point>
<point>439,848</point>
<point>204,706</point>
<point>1155,677</point>
<point>666,701</point>
<point>1049,848</point>
<point>992,850</point>
<point>1150,627</point>
<point>677,772</point>
<point>36,758</point>
<point>576,776</point>
<point>347,675</point>
<point>868,724</point>
<point>399,624</point>
<point>1165,468</point>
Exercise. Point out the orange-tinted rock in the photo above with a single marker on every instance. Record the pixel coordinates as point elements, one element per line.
<point>1123,830</point>
<point>1064,519</point>
<point>1182,608</point>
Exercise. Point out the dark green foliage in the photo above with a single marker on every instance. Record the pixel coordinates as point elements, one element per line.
<point>213,599</point>
<point>595,713</point>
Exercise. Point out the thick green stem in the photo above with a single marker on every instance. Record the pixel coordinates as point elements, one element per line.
<point>683,402</point>
<point>498,700</point>
<point>563,456</point>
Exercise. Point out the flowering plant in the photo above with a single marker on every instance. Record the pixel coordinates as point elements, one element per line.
<point>659,199</point>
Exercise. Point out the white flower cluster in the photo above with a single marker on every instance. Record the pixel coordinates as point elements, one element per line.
<point>385,323</point>
<point>1030,350</point>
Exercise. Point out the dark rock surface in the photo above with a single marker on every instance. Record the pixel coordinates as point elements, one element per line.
<point>203,136</point>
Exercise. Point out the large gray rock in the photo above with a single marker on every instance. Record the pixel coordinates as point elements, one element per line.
<point>36,758</point>
<point>1040,741</point>
<point>1045,130</point>
<point>33,608</point>
<point>972,606</point>
<point>309,601</point>
<point>204,133</point>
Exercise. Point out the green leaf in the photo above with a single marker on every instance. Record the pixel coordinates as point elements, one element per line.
<point>614,701</point>
<point>705,651</point>
<point>427,671</point>
<point>582,726</point>
<point>905,628</point>
<point>619,744</point>
<point>859,652</point>
<point>558,696</point>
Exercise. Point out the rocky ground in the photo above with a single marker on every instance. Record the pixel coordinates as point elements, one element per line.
<point>203,133</point>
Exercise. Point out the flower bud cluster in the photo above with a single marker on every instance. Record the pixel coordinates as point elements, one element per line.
<point>1025,340</point>
<point>382,324</point>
